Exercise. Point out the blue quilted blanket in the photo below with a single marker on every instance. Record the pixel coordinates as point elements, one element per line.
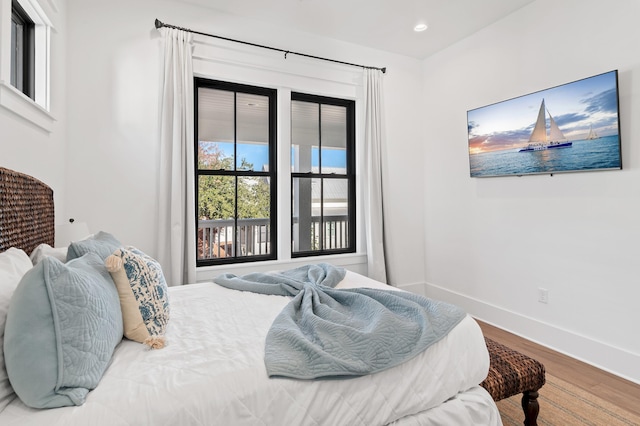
<point>328,332</point>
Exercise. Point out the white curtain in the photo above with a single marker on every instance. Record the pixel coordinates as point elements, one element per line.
<point>373,206</point>
<point>176,222</point>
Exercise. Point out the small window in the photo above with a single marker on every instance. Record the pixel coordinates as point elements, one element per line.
<point>322,175</point>
<point>22,51</point>
<point>236,172</point>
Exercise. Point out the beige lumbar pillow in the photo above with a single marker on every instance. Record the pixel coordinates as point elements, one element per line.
<point>143,295</point>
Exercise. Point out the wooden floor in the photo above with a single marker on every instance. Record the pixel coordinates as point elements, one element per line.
<point>618,391</point>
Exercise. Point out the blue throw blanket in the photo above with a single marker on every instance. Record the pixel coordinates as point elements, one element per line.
<point>328,332</point>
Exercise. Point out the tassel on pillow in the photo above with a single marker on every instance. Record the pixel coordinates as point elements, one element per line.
<point>155,342</point>
<point>113,263</point>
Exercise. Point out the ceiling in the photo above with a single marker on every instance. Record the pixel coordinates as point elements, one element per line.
<point>381,24</point>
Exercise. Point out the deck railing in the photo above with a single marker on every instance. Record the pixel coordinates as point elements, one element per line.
<point>334,234</point>
<point>216,237</point>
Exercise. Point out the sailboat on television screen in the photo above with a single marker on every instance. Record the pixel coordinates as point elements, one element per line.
<point>592,134</point>
<point>539,141</point>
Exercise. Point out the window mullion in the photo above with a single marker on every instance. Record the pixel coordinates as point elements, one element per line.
<point>29,69</point>
<point>236,231</point>
<point>284,208</point>
<point>321,220</point>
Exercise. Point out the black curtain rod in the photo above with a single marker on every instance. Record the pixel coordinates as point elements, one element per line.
<point>160,24</point>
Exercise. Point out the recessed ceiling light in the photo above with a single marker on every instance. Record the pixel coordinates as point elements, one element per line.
<point>420,27</point>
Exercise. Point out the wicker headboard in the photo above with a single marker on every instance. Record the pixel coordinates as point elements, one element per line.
<point>26,211</point>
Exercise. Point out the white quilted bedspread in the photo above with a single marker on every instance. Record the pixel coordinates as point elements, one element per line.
<point>212,373</point>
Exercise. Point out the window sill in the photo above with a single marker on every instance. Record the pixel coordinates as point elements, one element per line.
<point>353,261</point>
<point>16,102</point>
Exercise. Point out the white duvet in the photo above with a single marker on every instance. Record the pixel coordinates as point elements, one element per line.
<point>212,373</point>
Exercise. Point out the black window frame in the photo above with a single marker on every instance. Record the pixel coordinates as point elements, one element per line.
<point>350,174</point>
<point>22,51</point>
<point>271,174</point>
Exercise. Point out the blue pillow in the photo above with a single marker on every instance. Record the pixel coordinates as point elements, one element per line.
<point>101,243</point>
<point>63,324</point>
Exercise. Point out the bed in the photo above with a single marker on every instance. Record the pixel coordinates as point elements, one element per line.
<point>212,369</point>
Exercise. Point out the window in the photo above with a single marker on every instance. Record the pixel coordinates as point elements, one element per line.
<point>25,70</point>
<point>22,51</point>
<point>236,203</point>
<point>236,172</point>
<point>323,175</point>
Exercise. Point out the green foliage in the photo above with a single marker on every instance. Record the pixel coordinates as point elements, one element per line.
<point>216,194</point>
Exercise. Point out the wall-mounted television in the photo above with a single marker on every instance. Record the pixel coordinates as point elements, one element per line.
<point>573,127</point>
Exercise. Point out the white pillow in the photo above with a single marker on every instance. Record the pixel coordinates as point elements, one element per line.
<point>45,250</point>
<point>14,263</point>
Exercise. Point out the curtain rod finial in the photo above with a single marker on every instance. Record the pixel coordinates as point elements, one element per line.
<point>159,24</point>
<point>384,70</point>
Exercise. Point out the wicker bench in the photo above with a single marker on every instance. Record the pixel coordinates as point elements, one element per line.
<point>512,373</point>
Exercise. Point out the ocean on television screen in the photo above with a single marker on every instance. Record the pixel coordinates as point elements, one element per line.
<point>602,153</point>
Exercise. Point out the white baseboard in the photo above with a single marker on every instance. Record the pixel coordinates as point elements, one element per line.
<point>418,288</point>
<point>584,348</point>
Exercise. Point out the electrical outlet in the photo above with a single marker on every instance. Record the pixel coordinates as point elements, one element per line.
<point>543,295</point>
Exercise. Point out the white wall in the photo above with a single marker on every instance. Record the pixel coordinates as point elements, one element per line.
<point>114,73</point>
<point>485,246</point>
<point>491,243</point>
<point>24,146</point>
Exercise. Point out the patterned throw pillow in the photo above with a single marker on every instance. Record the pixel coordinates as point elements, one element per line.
<point>143,295</point>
